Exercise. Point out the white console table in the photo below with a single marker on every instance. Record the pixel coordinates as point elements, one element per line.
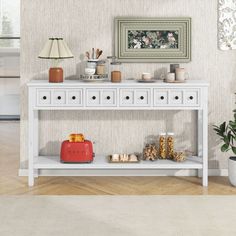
<point>129,95</point>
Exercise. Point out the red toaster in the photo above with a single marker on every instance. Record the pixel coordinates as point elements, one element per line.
<point>76,152</point>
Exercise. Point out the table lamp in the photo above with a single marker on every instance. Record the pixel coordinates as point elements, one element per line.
<point>56,49</point>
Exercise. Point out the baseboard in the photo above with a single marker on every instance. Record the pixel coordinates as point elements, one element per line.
<point>212,172</point>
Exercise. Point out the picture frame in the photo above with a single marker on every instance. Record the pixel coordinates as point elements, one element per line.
<point>164,40</point>
<point>226,25</point>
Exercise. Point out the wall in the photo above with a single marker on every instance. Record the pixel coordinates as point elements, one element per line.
<point>88,23</point>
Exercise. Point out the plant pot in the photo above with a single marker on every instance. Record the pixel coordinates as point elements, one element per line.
<point>232,170</point>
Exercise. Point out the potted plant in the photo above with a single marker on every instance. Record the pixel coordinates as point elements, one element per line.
<point>227,133</point>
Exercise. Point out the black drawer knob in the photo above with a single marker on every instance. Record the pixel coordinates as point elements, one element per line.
<point>108,97</point>
<point>142,97</point>
<point>191,97</point>
<point>127,97</point>
<point>176,97</point>
<point>44,97</point>
<point>162,97</point>
<point>74,97</point>
<point>59,97</point>
<point>93,97</point>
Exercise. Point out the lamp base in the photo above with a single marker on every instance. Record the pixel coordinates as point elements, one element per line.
<point>55,75</point>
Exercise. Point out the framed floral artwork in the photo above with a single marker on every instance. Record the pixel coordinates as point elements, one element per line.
<point>227,24</point>
<point>153,39</point>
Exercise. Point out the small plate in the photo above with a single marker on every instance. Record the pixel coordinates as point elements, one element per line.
<point>146,81</point>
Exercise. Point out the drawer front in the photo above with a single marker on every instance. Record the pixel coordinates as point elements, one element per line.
<point>191,97</point>
<point>59,97</point>
<point>75,97</point>
<point>126,97</point>
<point>160,97</point>
<point>44,97</point>
<point>176,97</point>
<point>93,97</point>
<point>108,97</point>
<point>101,97</point>
<point>135,97</point>
<point>142,97</point>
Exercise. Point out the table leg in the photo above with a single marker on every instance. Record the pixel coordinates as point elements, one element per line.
<point>205,148</point>
<point>30,141</point>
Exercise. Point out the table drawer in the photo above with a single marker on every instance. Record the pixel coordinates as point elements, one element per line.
<point>176,97</point>
<point>142,97</point>
<point>191,97</point>
<point>135,97</point>
<point>44,97</point>
<point>101,97</point>
<point>160,97</point>
<point>59,97</point>
<point>75,97</point>
<point>108,97</point>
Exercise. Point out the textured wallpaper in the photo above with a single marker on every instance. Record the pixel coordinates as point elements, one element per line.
<point>89,23</point>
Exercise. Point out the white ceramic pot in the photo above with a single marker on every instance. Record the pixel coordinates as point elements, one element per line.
<point>146,76</point>
<point>232,170</point>
<point>89,71</point>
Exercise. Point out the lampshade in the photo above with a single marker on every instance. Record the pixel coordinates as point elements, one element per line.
<point>55,48</point>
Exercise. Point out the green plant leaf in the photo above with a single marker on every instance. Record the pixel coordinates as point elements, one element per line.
<point>218,131</point>
<point>226,140</point>
<point>232,124</point>
<point>233,131</point>
<point>222,127</point>
<point>225,147</point>
<point>233,149</point>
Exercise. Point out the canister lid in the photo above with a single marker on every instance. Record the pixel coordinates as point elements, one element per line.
<point>162,134</point>
<point>170,134</point>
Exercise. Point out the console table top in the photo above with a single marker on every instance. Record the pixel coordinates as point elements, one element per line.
<point>124,83</point>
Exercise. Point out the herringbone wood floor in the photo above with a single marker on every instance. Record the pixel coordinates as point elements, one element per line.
<point>10,183</point>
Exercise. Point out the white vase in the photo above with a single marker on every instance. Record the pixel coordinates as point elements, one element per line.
<point>232,170</point>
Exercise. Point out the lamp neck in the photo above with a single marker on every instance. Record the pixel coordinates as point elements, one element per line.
<point>55,63</point>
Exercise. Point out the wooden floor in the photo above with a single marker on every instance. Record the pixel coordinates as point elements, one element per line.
<point>11,184</point>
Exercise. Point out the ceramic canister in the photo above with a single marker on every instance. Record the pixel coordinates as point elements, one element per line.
<point>170,77</point>
<point>146,76</point>
<point>180,74</point>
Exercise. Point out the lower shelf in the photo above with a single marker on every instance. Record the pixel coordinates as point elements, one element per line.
<point>100,162</point>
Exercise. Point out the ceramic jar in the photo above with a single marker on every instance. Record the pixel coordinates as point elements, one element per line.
<point>116,72</point>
